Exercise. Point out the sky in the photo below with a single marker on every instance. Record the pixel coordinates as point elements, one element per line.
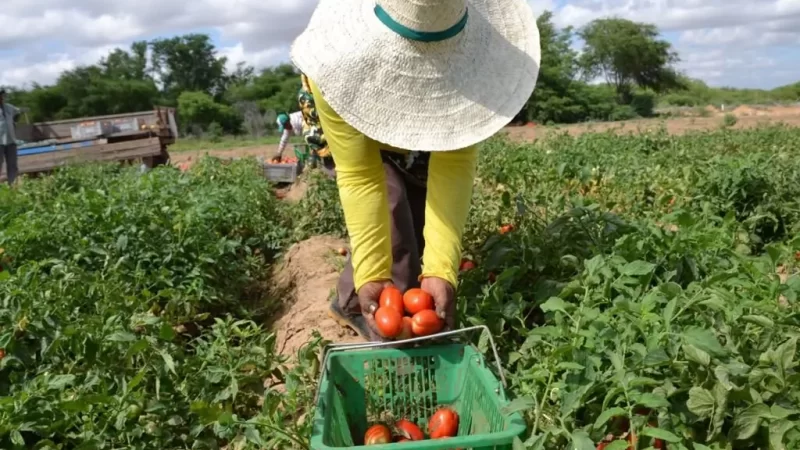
<point>739,43</point>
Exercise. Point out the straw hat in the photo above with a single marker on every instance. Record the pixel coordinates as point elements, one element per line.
<point>427,75</point>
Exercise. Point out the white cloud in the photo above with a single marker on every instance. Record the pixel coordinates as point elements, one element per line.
<point>40,38</point>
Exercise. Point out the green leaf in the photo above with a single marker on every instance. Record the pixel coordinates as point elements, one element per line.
<point>519,404</point>
<point>701,402</point>
<point>581,441</point>
<point>669,310</point>
<point>166,332</point>
<point>637,268</point>
<point>746,422</point>
<point>759,320</point>
<point>705,340</point>
<point>784,355</point>
<point>696,355</point>
<point>608,414</point>
<point>779,412</point>
<point>554,304</point>
<point>697,446</point>
<point>121,336</point>
<point>168,361</point>
<point>656,357</point>
<point>619,444</point>
<point>659,433</point>
<point>16,438</point>
<point>59,382</point>
<point>777,430</point>
<point>653,401</point>
<point>568,365</point>
<point>253,435</point>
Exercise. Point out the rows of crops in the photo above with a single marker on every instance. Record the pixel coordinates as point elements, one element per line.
<point>648,286</point>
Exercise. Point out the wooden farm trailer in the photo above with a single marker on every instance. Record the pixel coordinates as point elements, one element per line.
<point>142,136</point>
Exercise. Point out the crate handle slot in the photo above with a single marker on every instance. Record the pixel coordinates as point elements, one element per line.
<point>330,348</point>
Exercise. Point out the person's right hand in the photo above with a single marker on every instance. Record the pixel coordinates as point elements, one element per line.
<point>368,297</point>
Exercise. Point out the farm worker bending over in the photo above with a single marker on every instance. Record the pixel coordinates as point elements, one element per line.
<point>405,90</point>
<point>288,125</point>
<point>312,129</point>
<point>8,138</point>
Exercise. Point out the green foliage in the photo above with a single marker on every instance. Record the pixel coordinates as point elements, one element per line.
<point>627,53</point>
<point>729,120</point>
<point>188,63</point>
<point>198,108</point>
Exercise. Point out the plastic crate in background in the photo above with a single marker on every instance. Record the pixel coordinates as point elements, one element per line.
<point>282,173</point>
<point>361,387</point>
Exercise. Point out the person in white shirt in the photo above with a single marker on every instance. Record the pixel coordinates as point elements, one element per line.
<point>8,138</point>
<point>288,125</point>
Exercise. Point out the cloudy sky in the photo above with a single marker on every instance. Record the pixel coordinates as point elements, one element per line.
<point>753,43</point>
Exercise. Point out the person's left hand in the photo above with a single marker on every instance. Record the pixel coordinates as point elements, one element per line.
<point>443,295</point>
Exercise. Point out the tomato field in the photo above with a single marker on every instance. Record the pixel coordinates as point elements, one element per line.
<point>643,292</point>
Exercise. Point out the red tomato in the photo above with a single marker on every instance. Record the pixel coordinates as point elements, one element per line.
<point>659,444</point>
<point>389,322</point>
<point>403,440</point>
<point>391,297</point>
<point>505,229</point>
<point>466,265</point>
<point>378,434</point>
<point>2,353</point>
<point>426,322</point>
<point>601,446</point>
<point>408,329</point>
<point>492,277</point>
<point>409,430</point>
<point>444,423</point>
<point>416,300</point>
<point>342,251</point>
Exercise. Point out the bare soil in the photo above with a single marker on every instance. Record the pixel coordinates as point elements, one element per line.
<point>308,274</point>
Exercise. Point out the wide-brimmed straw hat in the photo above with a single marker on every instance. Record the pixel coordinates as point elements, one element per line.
<point>428,75</point>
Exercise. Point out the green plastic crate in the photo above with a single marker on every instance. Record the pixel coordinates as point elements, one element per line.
<point>361,387</point>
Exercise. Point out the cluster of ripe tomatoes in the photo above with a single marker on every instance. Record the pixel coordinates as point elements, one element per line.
<point>285,160</point>
<point>421,320</point>
<point>443,424</point>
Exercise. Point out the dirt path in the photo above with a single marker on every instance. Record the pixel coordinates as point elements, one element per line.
<point>308,274</point>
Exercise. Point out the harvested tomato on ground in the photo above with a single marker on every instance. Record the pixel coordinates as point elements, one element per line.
<point>444,423</point>
<point>426,322</point>
<point>391,297</point>
<point>378,434</point>
<point>409,430</point>
<point>416,300</point>
<point>389,322</point>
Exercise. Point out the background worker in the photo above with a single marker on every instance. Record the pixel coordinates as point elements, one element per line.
<point>288,125</point>
<point>312,129</point>
<point>405,91</point>
<point>8,137</point>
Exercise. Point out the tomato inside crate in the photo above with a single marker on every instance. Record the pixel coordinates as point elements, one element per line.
<point>363,387</point>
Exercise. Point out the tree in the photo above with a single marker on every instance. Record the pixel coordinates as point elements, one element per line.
<point>188,63</point>
<point>627,53</point>
<point>199,109</point>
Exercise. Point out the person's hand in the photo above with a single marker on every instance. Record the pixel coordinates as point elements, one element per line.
<point>443,295</point>
<point>368,297</point>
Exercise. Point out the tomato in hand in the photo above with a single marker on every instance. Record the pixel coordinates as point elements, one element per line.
<point>444,423</point>
<point>391,297</point>
<point>426,322</point>
<point>417,300</point>
<point>389,322</point>
<point>409,430</point>
<point>408,329</point>
<point>378,434</point>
